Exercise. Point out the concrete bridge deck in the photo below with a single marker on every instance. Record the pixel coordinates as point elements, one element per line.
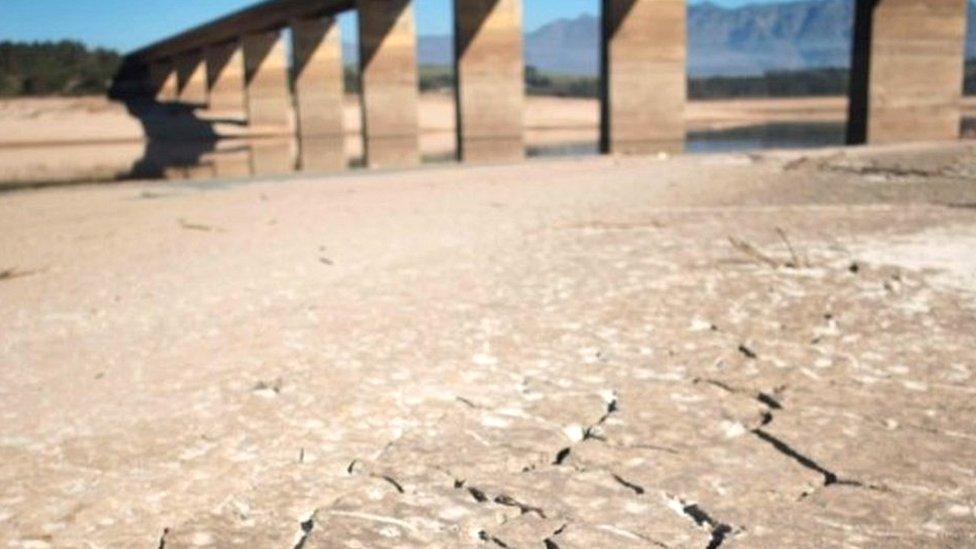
<point>567,351</point>
<point>266,15</point>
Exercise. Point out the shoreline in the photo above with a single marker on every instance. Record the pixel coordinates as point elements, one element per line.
<point>65,141</point>
<point>64,121</point>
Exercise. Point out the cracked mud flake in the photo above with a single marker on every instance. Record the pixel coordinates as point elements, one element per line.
<point>531,509</point>
<point>700,416</point>
<point>826,434</point>
<point>465,447</point>
<point>365,520</point>
<point>436,513</point>
<point>595,534</point>
<point>224,530</point>
<point>571,410</point>
<point>865,518</point>
<point>525,531</point>
<point>747,473</point>
<point>615,511</point>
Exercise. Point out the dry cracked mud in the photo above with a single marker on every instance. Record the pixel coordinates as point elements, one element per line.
<point>728,351</point>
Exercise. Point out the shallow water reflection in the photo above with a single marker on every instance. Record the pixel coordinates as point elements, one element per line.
<point>786,135</point>
<point>242,158</point>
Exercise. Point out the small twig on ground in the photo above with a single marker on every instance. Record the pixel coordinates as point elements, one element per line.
<point>10,274</point>
<point>748,352</point>
<point>795,262</point>
<point>796,163</point>
<point>150,195</point>
<point>196,226</point>
<point>962,205</point>
<point>753,252</point>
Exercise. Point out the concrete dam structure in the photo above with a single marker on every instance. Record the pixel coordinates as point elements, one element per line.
<point>906,74</point>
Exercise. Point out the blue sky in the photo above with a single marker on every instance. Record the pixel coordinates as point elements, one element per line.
<point>128,24</point>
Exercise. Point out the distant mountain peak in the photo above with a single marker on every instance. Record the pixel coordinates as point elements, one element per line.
<point>748,39</point>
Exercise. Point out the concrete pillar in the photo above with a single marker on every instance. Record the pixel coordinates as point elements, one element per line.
<point>266,81</point>
<point>191,78</point>
<point>231,164</point>
<point>162,81</point>
<point>275,156</point>
<point>490,86</point>
<point>322,154</point>
<point>225,79</point>
<point>906,70</point>
<point>388,78</point>
<point>317,69</point>
<point>644,85</point>
<point>202,171</point>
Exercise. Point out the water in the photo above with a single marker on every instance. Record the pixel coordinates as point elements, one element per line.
<point>231,159</point>
<point>782,135</point>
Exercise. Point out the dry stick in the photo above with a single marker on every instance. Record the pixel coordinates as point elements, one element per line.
<point>195,226</point>
<point>751,250</point>
<point>789,246</point>
<point>9,274</point>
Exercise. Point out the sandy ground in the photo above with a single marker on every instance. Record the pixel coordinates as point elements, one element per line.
<point>95,119</point>
<point>766,350</point>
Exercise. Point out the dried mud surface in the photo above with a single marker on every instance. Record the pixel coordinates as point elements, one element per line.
<point>729,351</point>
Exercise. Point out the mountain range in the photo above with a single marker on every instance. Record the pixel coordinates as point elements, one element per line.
<point>721,41</point>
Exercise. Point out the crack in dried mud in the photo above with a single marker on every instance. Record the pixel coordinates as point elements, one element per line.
<point>478,495</point>
<point>830,477</point>
<point>591,432</point>
<point>469,403</point>
<point>392,481</point>
<point>486,537</point>
<point>162,539</point>
<point>719,531</point>
<point>772,404</point>
<point>550,542</point>
<point>562,455</point>
<point>306,530</point>
<point>636,488</point>
<point>525,509</point>
<point>748,352</point>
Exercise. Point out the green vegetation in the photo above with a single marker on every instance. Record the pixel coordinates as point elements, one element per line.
<point>801,83</point>
<point>432,78</point>
<point>806,83</point>
<point>55,68</point>
<point>818,82</point>
<point>560,85</point>
<point>773,84</point>
<point>969,88</point>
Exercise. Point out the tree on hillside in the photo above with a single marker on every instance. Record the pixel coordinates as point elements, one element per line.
<point>55,68</point>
